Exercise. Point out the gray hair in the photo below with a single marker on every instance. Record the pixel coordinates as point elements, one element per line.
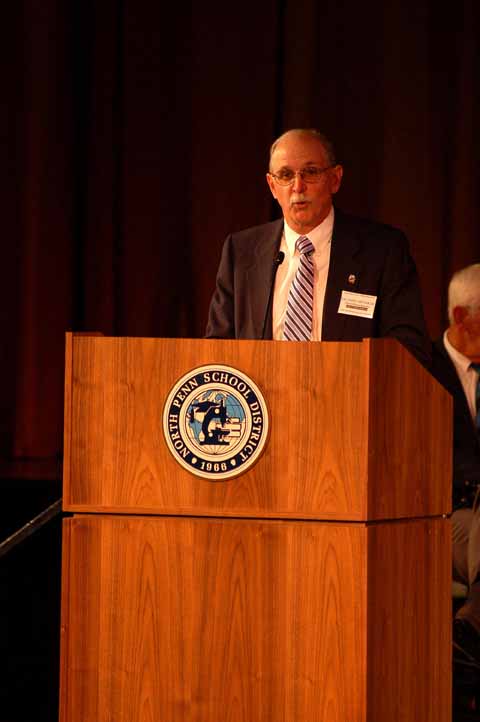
<point>464,289</point>
<point>312,133</point>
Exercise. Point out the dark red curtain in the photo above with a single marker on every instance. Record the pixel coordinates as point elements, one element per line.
<point>136,137</point>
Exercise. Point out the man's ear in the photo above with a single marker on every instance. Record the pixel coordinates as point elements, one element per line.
<point>271,184</point>
<point>335,178</point>
<point>459,314</point>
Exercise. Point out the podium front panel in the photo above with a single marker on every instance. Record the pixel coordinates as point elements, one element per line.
<point>208,620</point>
<point>357,431</point>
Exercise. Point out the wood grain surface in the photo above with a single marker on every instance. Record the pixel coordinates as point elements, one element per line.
<point>214,621</point>
<point>409,645</point>
<point>410,437</point>
<point>209,620</point>
<point>357,430</point>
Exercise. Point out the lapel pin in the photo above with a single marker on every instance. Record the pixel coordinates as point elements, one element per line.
<point>352,278</point>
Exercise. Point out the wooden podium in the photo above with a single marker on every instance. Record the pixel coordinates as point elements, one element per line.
<point>314,587</point>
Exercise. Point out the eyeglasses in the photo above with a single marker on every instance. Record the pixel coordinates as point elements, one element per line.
<point>310,174</point>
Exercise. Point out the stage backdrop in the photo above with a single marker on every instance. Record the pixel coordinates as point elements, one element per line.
<point>136,137</point>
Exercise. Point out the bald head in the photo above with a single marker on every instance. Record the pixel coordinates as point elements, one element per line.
<point>307,133</point>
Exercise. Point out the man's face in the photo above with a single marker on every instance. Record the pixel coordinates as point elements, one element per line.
<point>304,205</point>
<point>467,332</point>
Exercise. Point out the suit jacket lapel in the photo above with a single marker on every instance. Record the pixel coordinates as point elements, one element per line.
<point>342,275</point>
<point>259,277</point>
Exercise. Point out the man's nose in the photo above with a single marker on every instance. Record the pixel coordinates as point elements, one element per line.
<point>298,182</point>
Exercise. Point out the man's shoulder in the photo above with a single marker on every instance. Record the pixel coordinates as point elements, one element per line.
<point>443,368</point>
<point>264,230</point>
<point>439,347</point>
<point>368,228</point>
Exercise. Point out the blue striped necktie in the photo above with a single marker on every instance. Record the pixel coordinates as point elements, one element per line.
<point>476,367</point>
<point>299,313</point>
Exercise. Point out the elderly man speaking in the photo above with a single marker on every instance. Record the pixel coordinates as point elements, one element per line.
<point>334,277</point>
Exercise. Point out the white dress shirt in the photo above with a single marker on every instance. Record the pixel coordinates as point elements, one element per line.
<point>321,237</point>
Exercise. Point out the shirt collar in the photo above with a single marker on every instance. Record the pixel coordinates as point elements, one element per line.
<point>320,236</point>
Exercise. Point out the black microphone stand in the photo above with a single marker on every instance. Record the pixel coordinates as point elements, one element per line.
<point>277,261</point>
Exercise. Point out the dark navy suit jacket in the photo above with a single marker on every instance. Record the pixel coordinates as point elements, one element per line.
<point>376,255</point>
<point>466,443</point>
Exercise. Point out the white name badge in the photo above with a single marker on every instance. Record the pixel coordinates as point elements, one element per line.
<point>357,304</point>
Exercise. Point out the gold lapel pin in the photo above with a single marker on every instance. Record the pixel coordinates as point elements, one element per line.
<point>352,278</point>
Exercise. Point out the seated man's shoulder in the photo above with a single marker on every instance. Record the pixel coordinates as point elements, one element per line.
<point>440,355</point>
<point>443,370</point>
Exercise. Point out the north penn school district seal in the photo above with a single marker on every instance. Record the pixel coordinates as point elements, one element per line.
<point>215,422</point>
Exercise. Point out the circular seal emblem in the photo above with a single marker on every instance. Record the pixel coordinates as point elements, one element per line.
<point>215,422</point>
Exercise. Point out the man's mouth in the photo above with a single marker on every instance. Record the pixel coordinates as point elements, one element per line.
<point>299,202</point>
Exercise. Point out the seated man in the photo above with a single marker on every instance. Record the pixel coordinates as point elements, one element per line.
<point>456,364</point>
